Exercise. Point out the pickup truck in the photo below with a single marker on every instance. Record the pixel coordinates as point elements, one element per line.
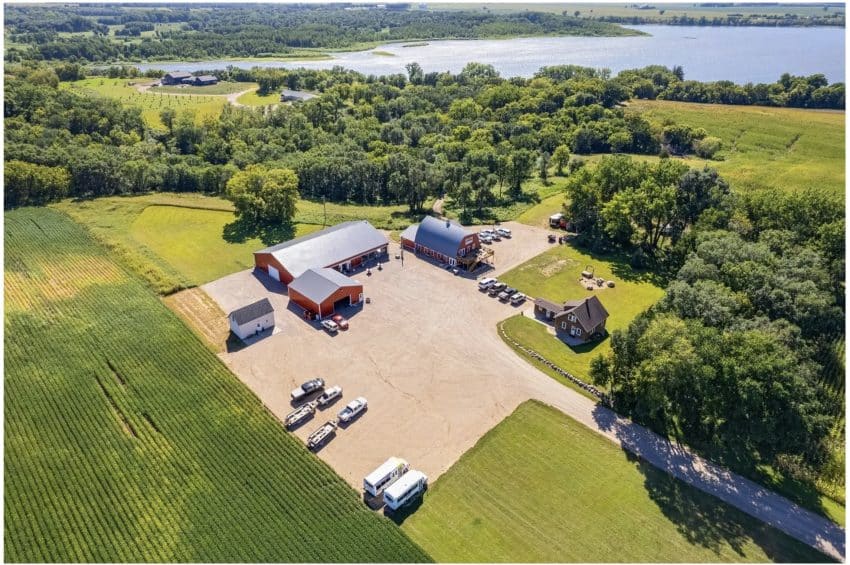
<point>329,395</point>
<point>307,388</point>
<point>352,409</point>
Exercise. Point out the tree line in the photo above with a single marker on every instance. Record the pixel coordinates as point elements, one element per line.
<point>739,357</point>
<point>235,30</point>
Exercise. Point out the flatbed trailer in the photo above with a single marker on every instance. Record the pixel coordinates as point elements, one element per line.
<point>299,415</point>
<point>321,435</point>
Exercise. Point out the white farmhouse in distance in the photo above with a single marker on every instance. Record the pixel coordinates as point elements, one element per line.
<point>252,319</point>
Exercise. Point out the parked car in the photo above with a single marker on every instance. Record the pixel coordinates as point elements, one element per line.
<point>486,233</point>
<point>484,284</point>
<point>504,232</point>
<point>488,239</point>
<point>518,298</point>
<point>340,321</point>
<point>496,288</point>
<point>307,388</point>
<point>330,395</point>
<point>506,294</point>
<point>331,326</point>
<point>352,409</point>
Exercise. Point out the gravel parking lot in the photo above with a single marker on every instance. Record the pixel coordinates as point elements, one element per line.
<point>425,354</point>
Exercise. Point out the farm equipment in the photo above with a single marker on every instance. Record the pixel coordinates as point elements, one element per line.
<point>587,273</point>
<point>299,415</point>
<point>320,436</point>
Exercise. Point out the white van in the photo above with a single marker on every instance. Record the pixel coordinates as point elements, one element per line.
<point>385,475</point>
<point>404,490</point>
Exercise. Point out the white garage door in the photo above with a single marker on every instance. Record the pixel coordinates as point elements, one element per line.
<point>274,273</point>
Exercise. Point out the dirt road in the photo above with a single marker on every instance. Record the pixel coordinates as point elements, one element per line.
<point>427,355</point>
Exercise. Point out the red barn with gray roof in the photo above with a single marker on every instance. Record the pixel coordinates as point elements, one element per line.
<point>344,247</point>
<point>444,240</point>
<point>320,291</point>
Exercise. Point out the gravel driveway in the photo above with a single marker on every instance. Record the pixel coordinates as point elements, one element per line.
<point>426,355</point>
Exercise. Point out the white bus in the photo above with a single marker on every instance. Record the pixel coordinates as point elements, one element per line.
<point>385,475</point>
<point>408,487</point>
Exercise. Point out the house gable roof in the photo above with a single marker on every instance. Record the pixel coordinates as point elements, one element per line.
<point>178,74</point>
<point>319,284</point>
<point>252,311</point>
<point>589,312</point>
<point>443,236</point>
<point>327,247</point>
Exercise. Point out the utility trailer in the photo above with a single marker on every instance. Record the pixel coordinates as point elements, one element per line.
<point>299,415</point>
<point>323,434</point>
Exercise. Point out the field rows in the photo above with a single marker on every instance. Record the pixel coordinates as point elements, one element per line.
<point>127,440</point>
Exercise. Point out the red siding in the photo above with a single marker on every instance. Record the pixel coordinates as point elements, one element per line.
<point>263,260</point>
<point>352,292</point>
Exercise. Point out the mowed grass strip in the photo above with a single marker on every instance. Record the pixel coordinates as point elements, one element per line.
<point>555,275</point>
<point>192,241</point>
<point>780,148</point>
<point>540,487</point>
<point>127,440</point>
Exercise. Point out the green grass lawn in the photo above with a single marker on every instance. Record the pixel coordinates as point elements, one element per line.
<point>781,148</point>
<point>540,487</point>
<point>254,99</point>
<point>127,440</point>
<point>190,240</point>
<point>554,275</point>
<point>176,241</point>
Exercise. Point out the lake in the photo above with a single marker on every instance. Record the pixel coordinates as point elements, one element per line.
<point>739,54</point>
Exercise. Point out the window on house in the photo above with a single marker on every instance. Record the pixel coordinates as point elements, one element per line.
<point>578,331</point>
<point>563,325</point>
<point>571,317</point>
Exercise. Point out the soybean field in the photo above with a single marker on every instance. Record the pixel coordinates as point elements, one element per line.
<point>127,440</point>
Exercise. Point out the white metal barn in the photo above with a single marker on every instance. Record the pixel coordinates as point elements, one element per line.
<point>252,319</point>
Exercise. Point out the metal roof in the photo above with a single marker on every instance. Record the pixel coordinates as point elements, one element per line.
<point>328,247</point>
<point>206,78</point>
<point>251,312</point>
<point>178,74</point>
<point>318,284</point>
<point>443,236</point>
<point>589,312</point>
<point>298,94</point>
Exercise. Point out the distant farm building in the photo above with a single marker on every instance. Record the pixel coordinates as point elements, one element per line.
<point>252,319</point>
<point>344,247</point>
<point>446,241</point>
<point>575,320</point>
<point>176,77</point>
<point>295,96</point>
<point>203,80</point>
<point>321,291</point>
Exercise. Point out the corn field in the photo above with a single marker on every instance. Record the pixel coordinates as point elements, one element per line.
<point>128,440</point>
